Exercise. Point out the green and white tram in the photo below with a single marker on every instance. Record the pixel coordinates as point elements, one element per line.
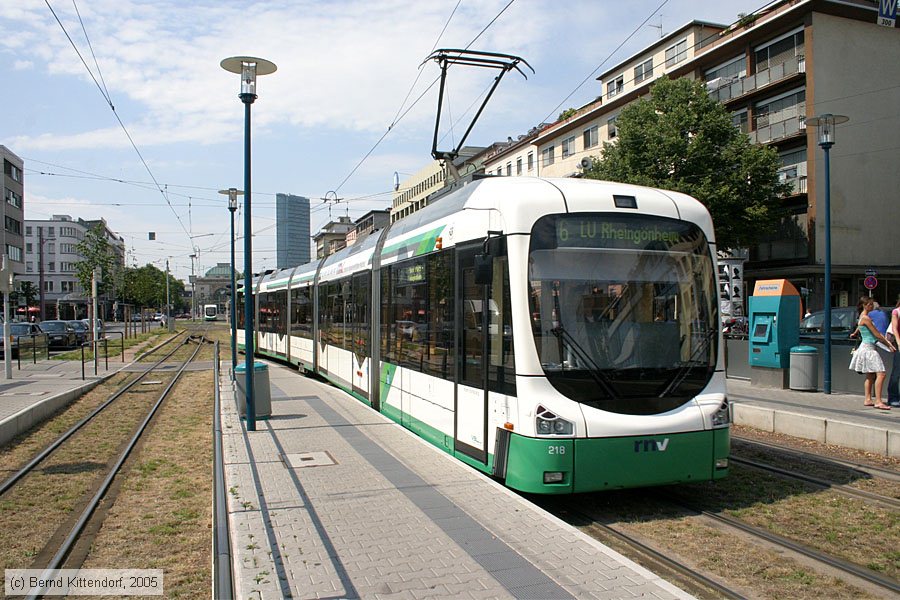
<point>559,334</point>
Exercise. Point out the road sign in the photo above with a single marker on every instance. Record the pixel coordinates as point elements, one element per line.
<point>887,12</point>
<point>870,282</point>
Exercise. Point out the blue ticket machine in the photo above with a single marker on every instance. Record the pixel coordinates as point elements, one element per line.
<point>774,323</point>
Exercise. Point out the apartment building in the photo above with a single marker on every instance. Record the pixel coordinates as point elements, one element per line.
<point>771,70</point>
<point>12,186</point>
<point>372,221</point>
<point>332,237</point>
<point>51,251</point>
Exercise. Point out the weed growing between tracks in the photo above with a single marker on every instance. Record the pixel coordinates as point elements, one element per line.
<point>161,519</point>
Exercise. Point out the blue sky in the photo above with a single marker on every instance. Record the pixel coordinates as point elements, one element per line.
<point>344,71</point>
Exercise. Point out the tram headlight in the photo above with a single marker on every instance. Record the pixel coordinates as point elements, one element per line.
<point>722,416</point>
<point>548,423</point>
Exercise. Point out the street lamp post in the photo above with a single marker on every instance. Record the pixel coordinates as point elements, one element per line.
<point>248,67</point>
<point>825,128</point>
<point>232,194</point>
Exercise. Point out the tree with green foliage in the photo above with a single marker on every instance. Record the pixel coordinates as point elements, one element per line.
<point>29,292</point>
<point>96,252</point>
<point>682,140</point>
<point>146,287</point>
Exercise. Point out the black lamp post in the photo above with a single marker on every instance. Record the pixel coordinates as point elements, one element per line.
<point>232,194</point>
<point>248,67</point>
<point>825,127</point>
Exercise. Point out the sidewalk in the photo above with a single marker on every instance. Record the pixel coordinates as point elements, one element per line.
<point>329,499</point>
<point>839,419</point>
<point>37,391</point>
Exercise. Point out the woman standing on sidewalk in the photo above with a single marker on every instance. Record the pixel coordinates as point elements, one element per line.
<point>894,380</point>
<point>866,360</point>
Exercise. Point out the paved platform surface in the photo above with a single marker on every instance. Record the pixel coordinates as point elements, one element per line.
<point>839,419</point>
<point>329,499</point>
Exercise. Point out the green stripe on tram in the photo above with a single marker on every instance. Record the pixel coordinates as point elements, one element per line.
<point>423,243</point>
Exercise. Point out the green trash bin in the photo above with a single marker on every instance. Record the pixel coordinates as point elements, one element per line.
<point>262,396</point>
<point>804,374</point>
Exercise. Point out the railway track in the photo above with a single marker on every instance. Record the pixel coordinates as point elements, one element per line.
<point>69,544</point>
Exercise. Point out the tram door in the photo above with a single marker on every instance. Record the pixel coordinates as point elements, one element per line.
<point>471,393</point>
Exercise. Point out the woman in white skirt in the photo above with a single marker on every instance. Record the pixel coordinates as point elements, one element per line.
<point>866,360</point>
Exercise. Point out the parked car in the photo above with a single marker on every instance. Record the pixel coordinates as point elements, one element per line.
<point>60,333</point>
<point>81,330</point>
<point>101,327</point>
<point>843,321</point>
<point>25,337</point>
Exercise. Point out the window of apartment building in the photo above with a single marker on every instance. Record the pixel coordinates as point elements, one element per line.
<point>51,266</point>
<point>28,230</point>
<point>519,166</point>
<point>14,252</point>
<point>508,169</point>
<point>51,247</point>
<point>13,199</point>
<point>67,231</point>
<point>29,267</point>
<point>67,286</point>
<point>676,53</point>
<point>531,161</point>
<point>644,70</point>
<point>67,267</point>
<point>28,249</point>
<point>51,232</point>
<point>68,249</point>
<point>12,170</point>
<point>611,128</point>
<point>48,286</point>
<point>778,50</point>
<point>615,86</point>
<point>547,156</point>
<point>590,137</point>
<point>730,70</point>
<point>780,108</point>
<point>739,120</point>
<point>13,225</point>
<point>499,170</point>
<point>568,146</point>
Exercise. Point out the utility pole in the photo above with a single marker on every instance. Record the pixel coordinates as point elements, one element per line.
<point>95,275</point>
<point>41,269</point>
<point>6,286</point>
<point>169,325</point>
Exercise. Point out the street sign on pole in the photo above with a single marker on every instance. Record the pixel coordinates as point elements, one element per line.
<point>870,282</point>
<point>887,13</point>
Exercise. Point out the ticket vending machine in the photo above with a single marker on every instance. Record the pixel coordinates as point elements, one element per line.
<point>774,323</point>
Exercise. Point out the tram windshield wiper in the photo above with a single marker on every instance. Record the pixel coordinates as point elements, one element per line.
<point>565,337</point>
<point>682,373</point>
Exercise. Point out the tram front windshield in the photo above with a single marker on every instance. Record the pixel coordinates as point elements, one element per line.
<point>623,309</point>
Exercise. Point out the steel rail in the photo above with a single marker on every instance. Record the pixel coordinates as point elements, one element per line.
<point>655,555</point>
<point>832,561</point>
<point>70,540</point>
<point>823,483</point>
<point>866,469</point>
<point>223,577</point>
<point>11,481</point>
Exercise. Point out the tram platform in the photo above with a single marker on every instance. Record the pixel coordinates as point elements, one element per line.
<point>329,499</point>
<point>839,419</point>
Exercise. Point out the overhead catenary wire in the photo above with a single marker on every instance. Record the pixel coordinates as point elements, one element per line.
<point>419,98</point>
<point>118,119</point>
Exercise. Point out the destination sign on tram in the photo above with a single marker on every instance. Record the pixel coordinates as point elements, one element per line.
<point>598,231</point>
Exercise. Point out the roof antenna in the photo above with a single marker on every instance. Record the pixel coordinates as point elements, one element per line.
<point>660,26</point>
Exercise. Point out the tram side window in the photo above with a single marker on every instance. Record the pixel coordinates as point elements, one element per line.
<point>360,318</point>
<point>439,311</point>
<point>417,320</point>
<point>262,325</point>
<point>324,315</point>
<point>301,312</point>
<point>279,310</point>
<point>336,299</point>
<point>501,358</point>
<point>240,311</point>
